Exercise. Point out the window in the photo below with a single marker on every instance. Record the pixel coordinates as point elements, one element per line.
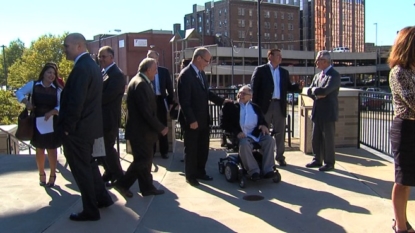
<point>200,19</point>
<point>275,14</point>
<point>275,25</point>
<point>243,23</point>
<point>275,36</point>
<point>282,15</point>
<point>266,14</point>
<point>207,31</point>
<point>226,22</point>
<point>282,26</point>
<point>200,29</point>
<point>220,24</point>
<point>282,36</point>
<point>220,12</point>
<point>250,12</point>
<point>250,23</point>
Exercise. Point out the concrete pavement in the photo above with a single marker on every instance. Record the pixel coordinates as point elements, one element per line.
<point>353,198</point>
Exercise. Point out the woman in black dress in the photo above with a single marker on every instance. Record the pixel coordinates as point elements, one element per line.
<point>402,133</point>
<point>45,102</point>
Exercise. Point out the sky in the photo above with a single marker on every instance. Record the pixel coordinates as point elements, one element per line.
<point>30,19</point>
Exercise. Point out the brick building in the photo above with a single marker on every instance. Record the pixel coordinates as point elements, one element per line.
<point>131,48</point>
<point>237,21</point>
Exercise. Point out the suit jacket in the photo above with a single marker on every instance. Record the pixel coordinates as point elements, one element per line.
<point>112,93</point>
<point>262,83</point>
<point>327,108</point>
<point>80,111</point>
<point>142,122</point>
<point>230,119</point>
<point>193,98</point>
<point>165,84</point>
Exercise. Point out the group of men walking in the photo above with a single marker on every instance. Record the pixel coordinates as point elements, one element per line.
<point>91,108</point>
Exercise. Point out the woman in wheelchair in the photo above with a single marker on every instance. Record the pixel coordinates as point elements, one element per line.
<point>245,121</point>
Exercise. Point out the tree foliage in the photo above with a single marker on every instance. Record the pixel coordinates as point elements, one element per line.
<point>48,48</point>
<point>10,108</point>
<point>12,53</point>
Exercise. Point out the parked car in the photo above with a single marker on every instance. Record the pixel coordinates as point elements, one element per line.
<point>291,99</point>
<point>373,103</point>
<point>341,50</point>
<point>346,81</point>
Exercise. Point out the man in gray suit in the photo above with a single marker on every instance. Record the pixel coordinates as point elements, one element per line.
<point>324,90</point>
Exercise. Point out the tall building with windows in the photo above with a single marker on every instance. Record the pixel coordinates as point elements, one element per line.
<point>327,24</point>
<point>236,22</point>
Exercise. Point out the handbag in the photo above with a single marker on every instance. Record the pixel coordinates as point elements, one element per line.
<point>26,123</point>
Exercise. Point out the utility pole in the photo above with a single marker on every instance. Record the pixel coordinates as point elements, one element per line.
<point>4,65</point>
<point>259,34</point>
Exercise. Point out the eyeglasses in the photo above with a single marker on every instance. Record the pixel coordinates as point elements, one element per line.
<point>205,59</point>
<point>244,93</point>
<point>102,56</point>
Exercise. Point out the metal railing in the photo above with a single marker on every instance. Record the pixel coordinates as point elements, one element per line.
<point>375,118</point>
<point>12,143</point>
<point>214,111</point>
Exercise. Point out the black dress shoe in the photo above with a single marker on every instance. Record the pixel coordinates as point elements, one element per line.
<point>326,168</point>
<point>192,182</point>
<point>165,156</point>
<point>205,177</point>
<point>282,162</point>
<point>153,192</point>
<point>105,204</point>
<point>314,164</point>
<point>123,191</point>
<point>269,175</point>
<point>83,217</point>
<point>255,176</point>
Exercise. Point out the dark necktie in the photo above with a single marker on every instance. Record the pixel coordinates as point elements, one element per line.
<point>201,79</point>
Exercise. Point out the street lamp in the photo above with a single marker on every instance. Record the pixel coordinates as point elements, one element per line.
<point>4,65</point>
<point>259,33</point>
<point>376,25</point>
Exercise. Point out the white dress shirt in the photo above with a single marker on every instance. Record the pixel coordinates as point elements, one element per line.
<point>276,78</point>
<point>248,120</point>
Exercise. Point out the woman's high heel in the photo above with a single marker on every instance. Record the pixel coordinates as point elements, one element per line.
<point>409,228</point>
<point>51,182</point>
<point>42,179</point>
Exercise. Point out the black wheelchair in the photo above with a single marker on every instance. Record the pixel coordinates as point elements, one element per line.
<point>232,165</point>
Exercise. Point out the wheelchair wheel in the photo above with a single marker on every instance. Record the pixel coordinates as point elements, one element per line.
<point>242,182</point>
<point>231,172</point>
<point>277,177</point>
<point>221,167</point>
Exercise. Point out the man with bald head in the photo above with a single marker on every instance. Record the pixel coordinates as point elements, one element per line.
<point>80,123</point>
<point>163,88</point>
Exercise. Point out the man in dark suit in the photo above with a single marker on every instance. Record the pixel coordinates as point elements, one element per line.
<point>194,95</point>
<point>324,90</point>
<point>112,94</point>
<point>80,123</point>
<point>249,127</point>
<point>163,87</point>
<point>142,130</point>
<point>270,84</point>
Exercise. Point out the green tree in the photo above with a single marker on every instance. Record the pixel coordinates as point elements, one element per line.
<point>10,108</point>
<point>12,53</point>
<point>48,48</point>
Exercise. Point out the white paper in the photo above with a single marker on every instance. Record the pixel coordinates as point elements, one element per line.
<point>43,126</point>
<point>98,149</point>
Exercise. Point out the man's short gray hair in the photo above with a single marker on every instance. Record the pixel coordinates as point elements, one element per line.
<point>324,54</point>
<point>145,64</point>
<point>246,87</point>
<point>200,52</point>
